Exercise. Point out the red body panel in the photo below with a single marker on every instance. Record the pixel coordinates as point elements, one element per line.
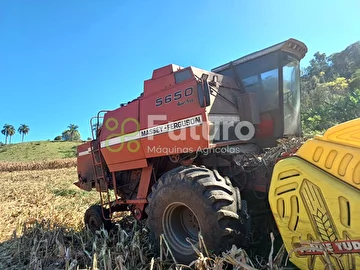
<point>85,165</point>
<point>124,120</point>
<point>153,109</point>
<point>165,82</point>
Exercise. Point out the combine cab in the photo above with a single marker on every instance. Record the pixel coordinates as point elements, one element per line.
<point>185,156</point>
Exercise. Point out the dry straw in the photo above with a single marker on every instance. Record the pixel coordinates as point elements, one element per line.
<point>41,226</point>
<point>46,246</point>
<point>37,165</point>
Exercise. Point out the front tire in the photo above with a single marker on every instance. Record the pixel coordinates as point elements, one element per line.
<point>189,200</point>
<point>94,219</point>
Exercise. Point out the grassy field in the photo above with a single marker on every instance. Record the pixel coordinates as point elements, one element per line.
<point>38,151</point>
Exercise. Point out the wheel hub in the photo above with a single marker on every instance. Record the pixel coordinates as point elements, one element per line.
<point>179,223</point>
<point>94,224</point>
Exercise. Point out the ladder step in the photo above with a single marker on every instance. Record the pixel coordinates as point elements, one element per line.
<point>102,187</point>
<point>101,182</point>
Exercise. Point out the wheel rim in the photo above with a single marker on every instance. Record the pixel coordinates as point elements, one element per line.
<point>179,222</point>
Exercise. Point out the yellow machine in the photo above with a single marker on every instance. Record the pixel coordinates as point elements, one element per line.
<point>315,195</point>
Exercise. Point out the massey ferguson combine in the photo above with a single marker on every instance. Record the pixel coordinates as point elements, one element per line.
<point>186,156</point>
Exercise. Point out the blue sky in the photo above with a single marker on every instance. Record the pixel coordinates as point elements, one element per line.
<point>63,61</point>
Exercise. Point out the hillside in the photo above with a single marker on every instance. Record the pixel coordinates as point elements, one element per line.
<point>38,151</point>
<point>330,89</point>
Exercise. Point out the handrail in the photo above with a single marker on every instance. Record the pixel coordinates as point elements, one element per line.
<point>96,126</point>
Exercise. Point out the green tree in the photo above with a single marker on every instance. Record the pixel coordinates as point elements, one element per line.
<point>355,80</point>
<point>5,132</point>
<point>23,130</point>
<point>330,90</point>
<point>320,68</point>
<point>339,85</point>
<point>71,134</point>
<point>58,138</point>
<point>8,131</point>
<point>346,62</point>
<point>11,132</point>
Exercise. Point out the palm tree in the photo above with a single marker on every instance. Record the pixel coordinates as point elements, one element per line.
<point>8,130</point>
<point>11,132</point>
<point>23,130</point>
<point>71,134</point>
<point>72,130</point>
<point>5,131</point>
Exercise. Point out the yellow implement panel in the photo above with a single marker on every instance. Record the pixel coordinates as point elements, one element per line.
<point>337,152</point>
<point>317,214</point>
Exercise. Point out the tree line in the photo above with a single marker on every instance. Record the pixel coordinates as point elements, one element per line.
<point>9,130</point>
<point>70,134</point>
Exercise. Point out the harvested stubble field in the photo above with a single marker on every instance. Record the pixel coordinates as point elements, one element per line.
<point>29,196</point>
<point>41,225</point>
<point>37,196</point>
<point>37,165</point>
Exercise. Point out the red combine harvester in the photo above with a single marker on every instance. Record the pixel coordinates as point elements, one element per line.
<point>189,155</point>
<point>183,154</point>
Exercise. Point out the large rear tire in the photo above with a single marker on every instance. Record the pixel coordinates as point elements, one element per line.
<point>187,200</point>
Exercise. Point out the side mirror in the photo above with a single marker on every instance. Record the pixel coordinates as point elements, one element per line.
<point>203,90</point>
